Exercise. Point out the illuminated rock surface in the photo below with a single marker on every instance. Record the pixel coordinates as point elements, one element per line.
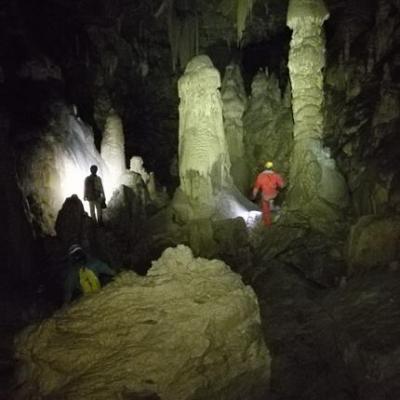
<point>56,166</point>
<point>317,190</point>
<point>136,165</point>
<point>204,163</point>
<point>113,145</point>
<point>189,330</point>
<point>206,189</point>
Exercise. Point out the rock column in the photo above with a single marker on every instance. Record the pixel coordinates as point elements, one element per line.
<point>204,162</point>
<point>317,191</point>
<point>113,146</point>
<point>234,103</point>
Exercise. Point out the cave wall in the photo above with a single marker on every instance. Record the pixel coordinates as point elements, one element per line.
<point>18,255</point>
<point>362,113</point>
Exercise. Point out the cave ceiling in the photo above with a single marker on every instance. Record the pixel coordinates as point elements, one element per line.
<point>59,27</point>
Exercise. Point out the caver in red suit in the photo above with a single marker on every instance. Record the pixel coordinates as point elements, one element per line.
<point>268,182</point>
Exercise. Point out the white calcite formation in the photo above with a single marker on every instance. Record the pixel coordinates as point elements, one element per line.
<point>56,166</point>
<point>113,145</point>
<point>317,190</point>
<point>204,162</point>
<point>306,60</point>
<point>190,329</point>
<point>234,103</point>
<point>136,165</point>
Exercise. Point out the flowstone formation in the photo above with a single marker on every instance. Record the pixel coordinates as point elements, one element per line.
<point>204,163</point>
<point>317,190</point>
<point>190,329</point>
<point>234,103</point>
<point>113,145</point>
<point>54,167</point>
<point>268,125</point>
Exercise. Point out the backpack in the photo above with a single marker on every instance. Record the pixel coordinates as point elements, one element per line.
<point>88,280</point>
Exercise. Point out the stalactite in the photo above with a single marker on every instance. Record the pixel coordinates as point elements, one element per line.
<point>183,31</point>
<point>238,11</point>
<point>243,10</point>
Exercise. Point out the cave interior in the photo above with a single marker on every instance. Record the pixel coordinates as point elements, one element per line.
<point>180,103</point>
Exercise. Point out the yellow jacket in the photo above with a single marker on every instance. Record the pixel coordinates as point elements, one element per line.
<point>89,281</point>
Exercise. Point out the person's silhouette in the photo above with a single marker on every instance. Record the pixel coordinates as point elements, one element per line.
<point>94,194</point>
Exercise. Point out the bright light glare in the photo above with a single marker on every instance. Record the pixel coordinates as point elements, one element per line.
<point>73,177</point>
<point>74,163</point>
<point>251,217</point>
<point>72,180</point>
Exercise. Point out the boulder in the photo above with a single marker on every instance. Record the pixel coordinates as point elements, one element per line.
<point>125,211</point>
<point>374,242</point>
<point>190,329</point>
<point>72,222</point>
<point>233,243</point>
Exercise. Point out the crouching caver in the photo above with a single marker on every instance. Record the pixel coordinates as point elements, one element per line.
<point>83,273</point>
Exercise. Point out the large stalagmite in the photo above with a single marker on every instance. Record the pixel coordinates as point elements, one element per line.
<point>113,145</point>
<point>317,190</point>
<point>203,152</point>
<point>189,330</point>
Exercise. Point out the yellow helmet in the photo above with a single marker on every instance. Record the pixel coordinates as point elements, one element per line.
<point>269,164</point>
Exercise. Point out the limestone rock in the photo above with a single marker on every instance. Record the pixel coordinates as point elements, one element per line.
<point>136,165</point>
<point>203,151</point>
<point>71,222</point>
<point>394,193</point>
<point>364,328</point>
<point>233,242</point>
<point>374,241</point>
<point>189,330</point>
<point>350,333</point>
<point>200,235</point>
<point>113,145</point>
<point>317,188</point>
<point>135,181</point>
<point>268,125</point>
<point>55,166</point>
<point>234,103</point>
<point>125,214</point>
<point>362,106</point>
